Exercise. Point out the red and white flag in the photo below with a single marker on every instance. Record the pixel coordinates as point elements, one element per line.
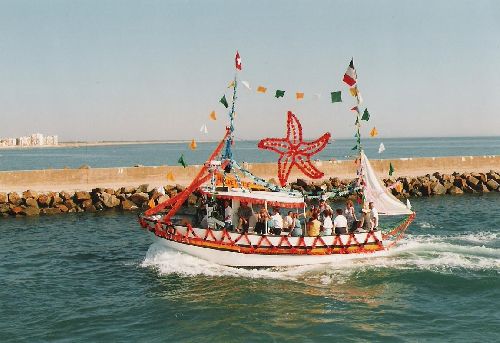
<point>237,60</point>
<point>350,75</point>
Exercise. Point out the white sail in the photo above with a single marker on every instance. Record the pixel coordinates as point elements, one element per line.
<point>376,192</point>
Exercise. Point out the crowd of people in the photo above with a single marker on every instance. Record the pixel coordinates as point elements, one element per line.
<point>318,220</point>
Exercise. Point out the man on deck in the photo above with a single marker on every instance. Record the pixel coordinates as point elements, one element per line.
<point>244,214</point>
<point>374,216</point>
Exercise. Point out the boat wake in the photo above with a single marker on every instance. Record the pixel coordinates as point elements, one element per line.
<point>468,252</point>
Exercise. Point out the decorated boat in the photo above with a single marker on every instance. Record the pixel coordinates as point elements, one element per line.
<point>227,228</point>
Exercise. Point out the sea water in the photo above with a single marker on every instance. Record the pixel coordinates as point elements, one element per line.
<point>98,277</point>
<point>168,154</point>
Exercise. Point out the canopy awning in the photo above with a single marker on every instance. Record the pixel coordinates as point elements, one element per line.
<point>279,199</point>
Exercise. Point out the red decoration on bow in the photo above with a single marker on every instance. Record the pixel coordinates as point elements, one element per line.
<point>294,151</point>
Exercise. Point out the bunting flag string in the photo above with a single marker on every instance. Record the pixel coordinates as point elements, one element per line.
<point>181,161</point>
<point>381,148</point>
<point>391,169</point>
<point>170,176</point>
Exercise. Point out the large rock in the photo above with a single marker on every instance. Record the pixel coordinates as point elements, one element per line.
<point>492,185</point>
<point>472,181</point>
<point>128,205</point>
<point>127,190</point>
<point>63,208</point>
<point>143,188</point>
<point>66,195</point>
<point>30,194</point>
<point>31,202</point>
<point>455,190</point>
<point>3,198</point>
<point>139,198</point>
<point>4,208</point>
<point>81,196</point>
<point>51,210</point>
<point>44,200</point>
<point>438,189</point>
<point>87,205</point>
<point>14,198</point>
<point>31,210</point>
<point>70,204</point>
<point>109,200</point>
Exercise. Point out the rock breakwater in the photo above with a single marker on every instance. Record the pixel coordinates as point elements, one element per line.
<point>31,203</point>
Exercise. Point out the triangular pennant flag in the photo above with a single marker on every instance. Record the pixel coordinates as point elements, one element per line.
<point>279,93</point>
<point>355,147</point>
<point>366,115</point>
<point>381,148</point>
<point>357,121</point>
<point>224,101</point>
<point>213,116</point>
<point>359,98</point>
<point>350,75</point>
<point>261,89</point>
<point>336,96</point>
<point>193,145</point>
<point>231,84</point>
<point>408,205</point>
<point>353,91</point>
<point>181,161</point>
<point>374,132</point>
<point>151,203</point>
<point>170,176</point>
<point>237,60</point>
<point>355,109</point>
<point>391,169</point>
<point>246,84</point>
<point>204,129</point>
<point>299,95</point>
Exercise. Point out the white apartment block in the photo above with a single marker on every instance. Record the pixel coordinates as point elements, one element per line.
<point>36,139</point>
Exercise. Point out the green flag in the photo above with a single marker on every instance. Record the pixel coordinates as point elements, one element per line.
<point>224,101</point>
<point>355,148</point>
<point>366,115</point>
<point>336,96</point>
<point>391,169</point>
<point>279,93</point>
<point>357,121</point>
<point>181,161</point>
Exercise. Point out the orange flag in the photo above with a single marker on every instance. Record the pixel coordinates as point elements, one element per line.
<point>374,132</point>
<point>170,176</point>
<point>261,89</point>
<point>151,203</point>
<point>193,145</point>
<point>399,187</point>
<point>213,116</point>
<point>299,95</point>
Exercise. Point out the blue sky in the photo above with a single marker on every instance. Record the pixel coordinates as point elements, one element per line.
<point>139,70</point>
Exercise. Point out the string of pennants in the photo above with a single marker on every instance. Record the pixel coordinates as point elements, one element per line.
<point>350,78</point>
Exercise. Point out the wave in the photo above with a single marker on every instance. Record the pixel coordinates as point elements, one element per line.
<point>441,254</point>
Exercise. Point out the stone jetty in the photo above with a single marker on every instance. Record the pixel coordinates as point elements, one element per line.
<point>32,203</point>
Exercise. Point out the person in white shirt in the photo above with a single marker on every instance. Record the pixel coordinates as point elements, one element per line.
<point>340,223</point>
<point>374,216</point>
<point>277,221</point>
<point>228,216</point>
<point>327,223</point>
<point>288,223</point>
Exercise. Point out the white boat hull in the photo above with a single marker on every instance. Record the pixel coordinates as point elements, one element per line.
<point>236,259</point>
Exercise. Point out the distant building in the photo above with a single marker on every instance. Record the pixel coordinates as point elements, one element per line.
<point>23,141</point>
<point>36,139</point>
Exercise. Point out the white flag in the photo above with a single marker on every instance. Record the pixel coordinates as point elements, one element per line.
<point>408,205</point>
<point>204,129</point>
<point>246,84</point>
<point>359,98</point>
<point>381,148</point>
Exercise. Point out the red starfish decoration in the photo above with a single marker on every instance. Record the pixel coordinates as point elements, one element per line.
<point>294,151</point>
